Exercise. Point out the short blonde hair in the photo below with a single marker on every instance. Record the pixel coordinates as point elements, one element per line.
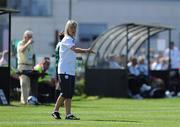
<point>68,24</point>
<point>29,33</point>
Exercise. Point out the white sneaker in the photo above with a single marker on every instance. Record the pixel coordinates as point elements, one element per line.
<point>144,88</point>
<point>168,94</point>
<point>178,94</point>
<point>137,96</point>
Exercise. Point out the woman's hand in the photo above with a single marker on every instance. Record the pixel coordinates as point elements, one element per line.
<point>89,50</point>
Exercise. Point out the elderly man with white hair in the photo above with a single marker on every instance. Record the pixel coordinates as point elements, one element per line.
<point>25,63</point>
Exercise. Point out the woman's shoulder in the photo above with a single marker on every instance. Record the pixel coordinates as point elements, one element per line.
<point>67,38</point>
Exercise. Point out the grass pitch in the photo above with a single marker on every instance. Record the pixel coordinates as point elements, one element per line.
<point>97,112</point>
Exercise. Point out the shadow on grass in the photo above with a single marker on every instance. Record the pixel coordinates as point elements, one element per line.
<point>119,121</point>
<point>17,104</point>
<point>86,98</point>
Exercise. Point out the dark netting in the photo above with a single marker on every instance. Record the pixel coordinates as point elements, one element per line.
<point>119,41</point>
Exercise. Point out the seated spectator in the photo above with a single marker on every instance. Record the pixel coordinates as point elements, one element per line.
<point>133,81</point>
<point>46,83</point>
<point>161,63</point>
<point>164,63</point>
<point>158,88</point>
<point>113,64</point>
<point>133,67</point>
<point>122,61</point>
<point>4,58</point>
<point>142,66</point>
<point>137,82</point>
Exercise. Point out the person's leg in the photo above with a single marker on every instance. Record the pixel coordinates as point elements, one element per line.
<point>62,96</point>
<point>25,88</point>
<point>60,99</point>
<point>133,85</point>
<point>67,104</point>
<point>34,88</point>
<point>22,98</point>
<point>68,101</point>
<point>57,93</point>
<point>67,91</point>
<point>59,103</point>
<point>69,115</point>
<point>57,89</point>
<point>70,92</point>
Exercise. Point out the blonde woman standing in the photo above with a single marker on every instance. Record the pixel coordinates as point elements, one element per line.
<point>66,70</point>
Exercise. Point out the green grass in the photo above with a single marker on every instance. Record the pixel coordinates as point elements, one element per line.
<point>95,112</point>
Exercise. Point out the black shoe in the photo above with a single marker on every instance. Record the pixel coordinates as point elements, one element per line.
<point>71,117</point>
<point>56,115</point>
